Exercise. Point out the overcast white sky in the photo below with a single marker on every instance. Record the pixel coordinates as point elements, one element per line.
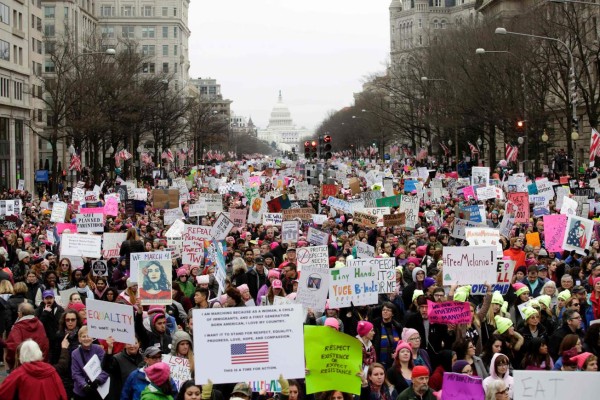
<point>316,51</point>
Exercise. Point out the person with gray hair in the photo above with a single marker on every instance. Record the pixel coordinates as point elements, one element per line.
<point>32,378</point>
<point>26,327</point>
<point>497,390</point>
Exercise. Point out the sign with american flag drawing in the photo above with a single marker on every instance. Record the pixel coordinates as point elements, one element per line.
<point>245,343</point>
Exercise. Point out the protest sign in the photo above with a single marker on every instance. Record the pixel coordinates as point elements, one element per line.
<point>193,237</point>
<point>111,244</point>
<point>378,212</point>
<point>364,250</point>
<point>106,319</point>
<point>449,312</point>
<point>569,206</point>
<point>555,385</point>
<point>371,197</point>
<point>578,234</point>
<point>74,244</point>
<point>533,239</point>
<point>272,386</point>
<point>154,274</point>
<point>272,219</point>
<point>289,231</point>
<point>63,226</point>
<point>479,236</point>
<point>386,271</point>
<point>333,358</point>
<point>92,198</point>
<point>461,387</point>
<point>394,219</point>
<point>172,215</point>
<point>460,227</point>
<point>319,219</point>
<point>164,199</point>
<point>214,202</point>
<point>317,237</point>
<point>339,204</point>
<point>315,256</point>
<point>504,271</point>
<point>179,368</point>
<point>469,265</point>
<point>140,194</point>
<point>90,223</point>
<point>486,192</point>
<point>329,190</point>
<point>390,201</point>
<point>354,285</point>
<point>313,287</point>
<point>554,232</point>
<point>238,216</point>
<point>111,206</point>
<point>480,176</point>
<point>99,268</point>
<point>243,343</point>
<point>364,219</point>
<point>521,201</point>
<point>198,209</point>
<point>59,211</point>
<point>92,369</point>
<point>302,213</point>
<point>409,205</point>
<point>221,227</point>
<point>354,184</point>
<point>136,258</point>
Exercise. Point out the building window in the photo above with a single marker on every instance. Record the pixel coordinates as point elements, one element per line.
<point>443,24</point>
<point>437,3</point>
<point>4,50</point>
<point>49,30</point>
<point>148,68</point>
<point>127,31</point>
<point>39,46</point>
<point>50,47</point>
<point>175,31</point>
<point>436,24</point>
<point>18,91</point>
<point>174,11</point>
<point>175,50</point>
<point>38,24</point>
<point>127,11</point>
<point>420,23</point>
<point>107,11</point>
<point>147,32</point>
<point>165,52</point>
<point>108,31</point>
<point>175,67</point>
<point>40,115</point>
<point>49,67</point>
<point>147,11</point>
<point>165,30</point>
<point>165,68</point>
<point>148,50</point>
<point>4,14</point>
<point>4,87</point>
<point>165,11</point>
<point>66,11</point>
<point>49,11</point>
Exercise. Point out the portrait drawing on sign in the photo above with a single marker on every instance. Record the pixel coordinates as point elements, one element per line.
<point>155,281</point>
<point>578,234</point>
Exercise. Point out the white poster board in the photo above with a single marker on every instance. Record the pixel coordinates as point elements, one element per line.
<point>289,231</point>
<point>244,343</point>
<point>386,271</point>
<point>364,250</point>
<point>106,319</point>
<point>59,211</point>
<point>317,237</point>
<point>111,244</point>
<point>469,265</point>
<point>179,367</point>
<point>221,227</point>
<point>480,236</point>
<point>410,206</point>
<point>90,223</point>
<point>555,385</point>
<point>315,256</point>
<point>198,209</point>
<point>313,287</point>
<point>354,285</point>
<point>193,237</point>
<point>76,244</point>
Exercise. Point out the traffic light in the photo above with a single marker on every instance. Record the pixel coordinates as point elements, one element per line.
<point>575,125</point>
<point>313,149</point>
<point>307,149</point>
<point>326,147</point>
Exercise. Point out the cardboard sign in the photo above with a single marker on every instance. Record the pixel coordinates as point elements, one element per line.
<point>469,265</point>
<point>90,223</point>
<point>99,268</point>
<point>394,220</point>
<point>111,244</point>
<point>554,385</point>
<point>358,286</point>
<point>554,232</point>
<point>364,250</point>
<point>59,211</point>
<point>521,200</point>
<point>198,209</point>
<point>386,271</point>
<point>313,287</point>
<point>410,207</point>
<point>179,368</point>
<point>354,184</point>
<point>193,237</point>
<point>315,256</point>
<point>164,199</point>
<point>106,319</point>
<point>329,190</point>
<point>449,312</point>
<point>221,227</point>
<point>289,231</point>
<point>317,237</point>
<point>364,219</point>
<point>238,216</point>
<point>302,213</point>
<point>335,357</point>
<point>74,244</point>
<point>272,219</point>
<point>154,275</point>
<point>243,343</point>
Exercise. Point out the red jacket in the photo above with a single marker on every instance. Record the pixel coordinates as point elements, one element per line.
<point>28,328</point>
<point>34,380</point>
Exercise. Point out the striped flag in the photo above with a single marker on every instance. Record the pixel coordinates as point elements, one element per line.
<point>474,149</point>
<point>445,148</point>
<point>512,153</point>
<point>422,154</point>
<point>250,353</point>
<point>167,155</point>
<point>75,163</point>
<point>145,157</point>
<point>594,146</point>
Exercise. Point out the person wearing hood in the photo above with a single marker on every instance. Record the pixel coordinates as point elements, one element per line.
<point>120,366</point>
<point>185,284</point>
<point>32,378</point>
<point>137,380</point>
<point>183,347</point>
<point>158,333</point>
<point>418,279</point>
<point>499,371</point>
<point>365,335</point>
<point>27,326</point>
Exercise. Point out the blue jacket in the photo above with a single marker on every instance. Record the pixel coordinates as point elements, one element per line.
<point>136,382</point>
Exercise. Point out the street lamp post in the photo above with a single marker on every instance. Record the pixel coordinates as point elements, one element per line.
<point>545,139</point>
<point>425,79</point>
<point>574,138</point>
<point>503,31</point>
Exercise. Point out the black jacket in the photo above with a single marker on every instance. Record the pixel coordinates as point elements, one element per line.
<point>255,281</point>
<point>151,337</point>
<point>437,340</point>
<point>131,246</point>
<point>50,320</point>
<point>558,336</point>
<point>377,327</point>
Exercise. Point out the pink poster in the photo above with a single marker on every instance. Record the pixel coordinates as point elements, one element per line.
<point>111,207</point>
<point>92,210</point>
<point>61,226</point>
<point>469,193</point>
<point>554,231</point>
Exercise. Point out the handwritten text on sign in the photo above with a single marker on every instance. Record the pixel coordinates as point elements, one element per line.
<point>469,265</point>
<point>449,312</point>
<point>353,285</point>
<point>106,319</point>
<point>386,272</point>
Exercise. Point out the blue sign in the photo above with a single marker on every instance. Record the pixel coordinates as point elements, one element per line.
<point>41,175</point>
<point>386,156</point>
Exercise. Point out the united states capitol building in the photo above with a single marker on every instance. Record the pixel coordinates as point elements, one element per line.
<point>281,129</point>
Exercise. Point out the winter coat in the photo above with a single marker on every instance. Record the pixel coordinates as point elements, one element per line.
<point>151,337</point>
<point>136,382</point>
<point>508,380</point>
<point>255,281</point>
<point>13,303</point>
<point>119,367</point>
<point>50,319</point>
<point>33,380</point>
<point>395,377</point>
<point>409,394</point>
<point>28,327</point>
<point>131,246</point>
<point>154,393</point>
<point>32,289</point>
<point>79,358</point>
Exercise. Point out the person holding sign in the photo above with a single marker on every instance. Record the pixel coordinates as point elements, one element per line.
<point>85,389</point>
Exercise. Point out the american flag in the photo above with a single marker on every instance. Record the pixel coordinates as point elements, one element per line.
<point>182,154</point>
<point>594,146</point>
<point>422,154</point>
<point>512,153</point>
<point>167,155</point>
<point>474,149</point>
<point>75,163</point>
<point>445,148</point>
<point>125,155</point>
<point>250,353</point>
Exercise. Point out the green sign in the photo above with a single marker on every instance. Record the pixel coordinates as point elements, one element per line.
<point>392,201</point>
<point>333,360</point>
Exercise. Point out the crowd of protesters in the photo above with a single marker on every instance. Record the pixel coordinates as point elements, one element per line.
<point>45,344</point>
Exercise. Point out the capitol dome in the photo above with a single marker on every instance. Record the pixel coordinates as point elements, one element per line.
<point>281,129</point>
<point>280,115</point>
